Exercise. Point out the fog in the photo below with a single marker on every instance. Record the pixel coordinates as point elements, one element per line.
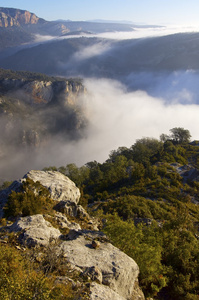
<point>116,118</point>
<point>136,105</point>
<point>174,87</point>
<point>146,32</point>
<point>137,32</point>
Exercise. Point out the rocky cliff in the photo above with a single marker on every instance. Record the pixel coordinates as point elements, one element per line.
<point>15,17</point>
<point>108,272</point>
<point>35,108</point>
<point>42,91</point>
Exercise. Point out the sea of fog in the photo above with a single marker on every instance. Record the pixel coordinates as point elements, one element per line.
<point>145,104</point>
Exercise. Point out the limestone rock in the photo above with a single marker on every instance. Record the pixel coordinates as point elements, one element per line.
<point>59,185</point>
<point>35,230</point>
<point>72,209</point>
<point>65,223</point>
<point>15,17</point>
<point>119,271</point>
<point>137,292</point>
<point>93,273</point>
<point>102,292</point>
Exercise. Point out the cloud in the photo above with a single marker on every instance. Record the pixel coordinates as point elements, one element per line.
<point>119,117</point>
<point>146,32</point>
<point>178,86</point>
<point>87,52</point>
<point>116,117</point>
<point>136,33</point>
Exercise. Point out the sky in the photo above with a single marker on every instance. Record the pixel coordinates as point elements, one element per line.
<point>160,12</point>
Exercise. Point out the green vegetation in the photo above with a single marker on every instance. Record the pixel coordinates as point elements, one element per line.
<point>148,198</point>
<point>32,199</point>
<point>28,275</point>
<point>148,195</point>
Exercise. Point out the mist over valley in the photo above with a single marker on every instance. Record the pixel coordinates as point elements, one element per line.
<point>137,81</point>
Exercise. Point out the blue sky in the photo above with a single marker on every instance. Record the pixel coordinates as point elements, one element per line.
<point>182,12</point>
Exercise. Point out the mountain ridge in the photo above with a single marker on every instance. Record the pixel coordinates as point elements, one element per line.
<point>16,17</point>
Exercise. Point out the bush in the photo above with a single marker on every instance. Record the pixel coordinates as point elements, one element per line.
<point>32,199</point>
<point>19,280</point>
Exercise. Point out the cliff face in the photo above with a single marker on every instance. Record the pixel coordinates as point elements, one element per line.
<point>42,92</point>
<point>34,113</point>
<point>15,17</point>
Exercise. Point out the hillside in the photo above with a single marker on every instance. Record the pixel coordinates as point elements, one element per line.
<point>57,247</point>
<point>144,198</point>
<point>147,197</point>
<point>88,56</point>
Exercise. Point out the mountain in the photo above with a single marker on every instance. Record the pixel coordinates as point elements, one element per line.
<point>19,26</point>
<point>10,17</point>
<point>66,57</point>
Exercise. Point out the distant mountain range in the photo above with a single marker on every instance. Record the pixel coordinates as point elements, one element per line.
<point>89,56</point>
<point>19,26</point>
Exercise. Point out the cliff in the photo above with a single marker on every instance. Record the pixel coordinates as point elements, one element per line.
<point>37,111</point>
<point>43,92</point>
<point>10,17</point>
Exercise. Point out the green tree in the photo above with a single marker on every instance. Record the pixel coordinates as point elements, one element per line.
<point>145,148</point>
<point>180,135</point>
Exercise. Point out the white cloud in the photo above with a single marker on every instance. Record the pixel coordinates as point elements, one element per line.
<point>117,118</point>
<point>148,32</point>
<point>94,50</point>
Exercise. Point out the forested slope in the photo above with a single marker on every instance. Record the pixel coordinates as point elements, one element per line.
<point>147,198</point>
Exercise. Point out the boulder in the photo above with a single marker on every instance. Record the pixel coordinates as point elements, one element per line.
<point>119,271</point>
<point>65,223</point>
<point>35,230</point>
<point>72,209</point>
<point>102,292</point>
<point>60,186</point>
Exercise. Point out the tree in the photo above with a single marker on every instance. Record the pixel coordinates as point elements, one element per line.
<point>180,135</point>
<point>144,149</point>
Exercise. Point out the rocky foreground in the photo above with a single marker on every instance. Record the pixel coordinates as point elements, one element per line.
<point>110,272</point>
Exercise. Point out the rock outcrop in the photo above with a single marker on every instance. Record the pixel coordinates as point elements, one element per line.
<point>60,186</point>
<point>111,273</point>
<point>118,271</point>
<point>43,92</point>
<point>35,230</point>
<point>15,17</point>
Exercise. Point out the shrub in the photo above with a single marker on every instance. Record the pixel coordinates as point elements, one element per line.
<point>32,199</point>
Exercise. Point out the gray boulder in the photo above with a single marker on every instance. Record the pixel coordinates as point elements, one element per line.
<point>35,230</point>
<point>119,271</point>
<point>102,292</point>
<point>65,223</point>
<point>72,209</point>
<point>59,185</point>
